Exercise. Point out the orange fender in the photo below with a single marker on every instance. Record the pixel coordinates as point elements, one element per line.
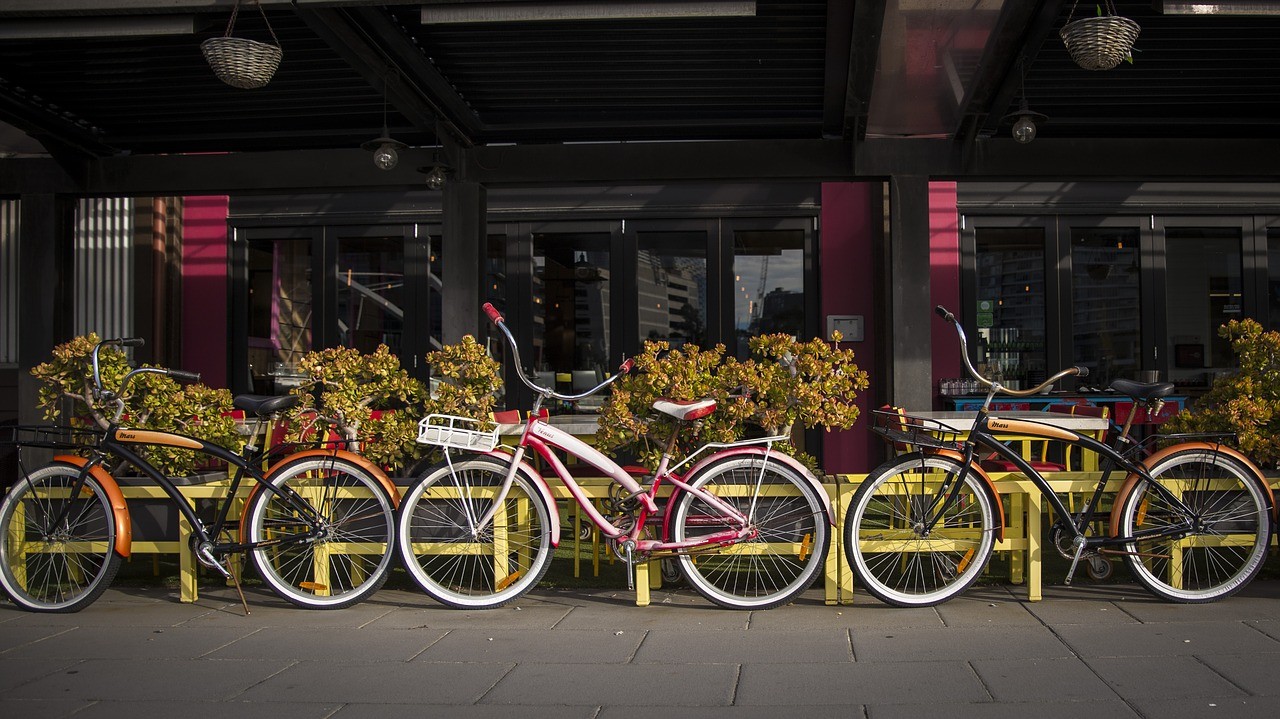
<point>124,527</point>
<point>982,474</point>
<point>1132,480</point>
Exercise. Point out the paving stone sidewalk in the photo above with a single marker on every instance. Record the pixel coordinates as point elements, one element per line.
<point>1094,652</point>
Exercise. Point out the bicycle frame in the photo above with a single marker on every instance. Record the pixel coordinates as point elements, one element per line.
<point>116,442</point>
<point>542,436</point>
<point>982,436</point>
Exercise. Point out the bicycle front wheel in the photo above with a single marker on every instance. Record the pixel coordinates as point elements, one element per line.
<point>790,542</point>
<point>57,551</point>
<point>885,536</point>
<point>325,538</point>
<point>456,561</point>
<point>1223,507</point>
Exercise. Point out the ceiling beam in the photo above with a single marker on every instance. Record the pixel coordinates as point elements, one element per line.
<point>1018,29</point>
<point>868,28</point>
<point>44,8</point>
<point>1040,28</point>
<point>659,162</point>
<point>835,74</point>
<point>439,91</point>
<point>28,114</point>
<point>366,57</point>
<point>1093,160</point>
<point>350,170</point>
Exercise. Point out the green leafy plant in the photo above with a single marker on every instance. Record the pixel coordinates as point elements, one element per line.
<point>1247,401</point>
<point>368,400</point>
<point>372,402</point>
<point>151,401</point>
<point>786,381</point>
<point>466,380</point>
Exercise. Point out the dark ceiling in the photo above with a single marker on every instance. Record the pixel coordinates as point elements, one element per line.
<point>845,73</point>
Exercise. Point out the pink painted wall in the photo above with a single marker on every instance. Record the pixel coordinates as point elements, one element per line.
<point>944,277</point>
<point>204,288</point>
<point>851,213</point>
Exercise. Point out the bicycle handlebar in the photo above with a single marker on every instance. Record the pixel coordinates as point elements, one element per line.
<point>116,397</point>
<point>496,318</point>
<point>1077,371</point>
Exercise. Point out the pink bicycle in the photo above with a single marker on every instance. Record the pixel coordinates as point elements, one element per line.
<point>748,526</point>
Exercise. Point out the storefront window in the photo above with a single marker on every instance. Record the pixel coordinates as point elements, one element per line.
<point>571,312</point>
<point>1204,290</point>
<point>768,284</point>
<point>1273,278</point>
<point>280,309</point>
<point>671,271</point>
<point>1011,304</point>
<point>1106,311</point>
<point>370,292</point>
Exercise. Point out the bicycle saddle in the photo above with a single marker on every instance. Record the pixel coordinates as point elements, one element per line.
<point>264,405</point>
<point>686,410</point>
<point>1143,391</point>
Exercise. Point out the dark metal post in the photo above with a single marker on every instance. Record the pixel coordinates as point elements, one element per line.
<point>46,288</point>
<point>910,345</point>
<point>465,233</point>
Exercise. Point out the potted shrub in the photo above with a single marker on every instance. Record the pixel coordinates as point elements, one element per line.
<point>1247,401</point>
<point>370,401</point>
<point>359,397</point>
<point>786,381</point>
<point>153,402</point>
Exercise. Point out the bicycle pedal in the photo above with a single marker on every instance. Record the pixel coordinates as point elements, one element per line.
<point>205,556</point>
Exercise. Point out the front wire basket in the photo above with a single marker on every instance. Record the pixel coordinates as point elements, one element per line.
<point>49,436</point>
<point>446,430</point>
<point>908,433</point>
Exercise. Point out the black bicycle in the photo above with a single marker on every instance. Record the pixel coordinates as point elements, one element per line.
<point>318,525</point>
<point>1192,520</point>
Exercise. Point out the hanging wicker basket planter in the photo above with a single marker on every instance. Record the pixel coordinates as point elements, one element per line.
<point>241,62</point>
<point>1101,42</point>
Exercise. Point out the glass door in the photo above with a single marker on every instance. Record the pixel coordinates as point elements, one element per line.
<point>673,293</point>
<point>1203,289</point>
<point>278,303</point>
<point>1106,302</point>
<point>1010,304</point>
<point>369,297</point>
<point>570,341</point>
<point>770,281</point>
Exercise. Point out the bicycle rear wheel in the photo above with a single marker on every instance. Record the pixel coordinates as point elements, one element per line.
<point>791,542</point>
<point>351,557</point>
<point>1230,527</point>
<point>885,542</point>
<point>464,566</point>
<point>52,566</point>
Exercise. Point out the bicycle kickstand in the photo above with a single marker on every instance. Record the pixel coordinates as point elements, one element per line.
<point>204,552</point>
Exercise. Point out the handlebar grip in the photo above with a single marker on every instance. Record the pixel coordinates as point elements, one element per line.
<point>627,366</point>
<point>132,342</point>
<point>1081,371</point>
<point>494,315</point>
<point>945,314</point>
<point>183,375</point>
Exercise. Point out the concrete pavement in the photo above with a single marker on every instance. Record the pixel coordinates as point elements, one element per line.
<point>1095,652</point>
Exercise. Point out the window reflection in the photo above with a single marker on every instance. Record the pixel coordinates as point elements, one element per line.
<point>370,292</point>
<point>1204,291</point>
<point>1011,304</point>
<point>280,308</point>
<point>1106,303</point>
<point>768,284</point>
<point>672,287</point>
<point>571,311</point>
